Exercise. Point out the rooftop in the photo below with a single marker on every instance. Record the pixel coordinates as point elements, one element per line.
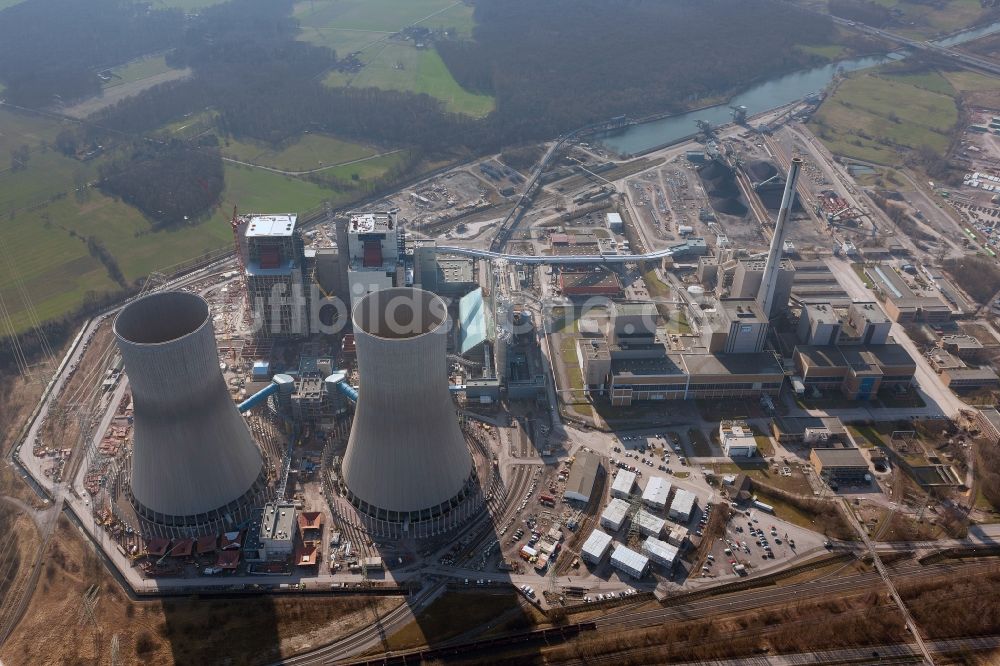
<point>596,543</point>
<point>821,312</point>
<point>616,511</point>
<point>732,364</point>
<point>367,223</point>
<point>274,226</point>
<point>657,490</point>
<point>624,482</point>
<point>278,520</point>
<point>629,559</point>
<point>583,473</point>
<point>659,550</point>
<point>961,341</point>
<point>840,457</point>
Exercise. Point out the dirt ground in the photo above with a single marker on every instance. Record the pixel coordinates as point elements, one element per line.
<point>179,630</point>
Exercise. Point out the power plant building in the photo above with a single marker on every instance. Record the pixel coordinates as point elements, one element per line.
<point>374,246</point>
<point>195,468</point>
<point>273,261</point>
<point>407,468</point>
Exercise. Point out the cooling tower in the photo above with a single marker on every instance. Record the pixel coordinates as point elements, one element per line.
<point>407,460</point>
<point>194,462</point>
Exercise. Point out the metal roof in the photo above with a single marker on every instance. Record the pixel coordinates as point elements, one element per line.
<point>596,544</point>
<point>683,501</point>
<point>659,551</point>
<point>647,522</point>
<point>657,490</point>
<point>581,479</point>
<point>628,559</point>
<point>623,482</point>
<point>616,511</point>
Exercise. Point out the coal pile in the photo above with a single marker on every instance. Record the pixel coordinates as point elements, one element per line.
<point>724,194</point>
<point>760,170</point>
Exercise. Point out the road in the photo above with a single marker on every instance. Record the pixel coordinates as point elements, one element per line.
<point>309,171</point>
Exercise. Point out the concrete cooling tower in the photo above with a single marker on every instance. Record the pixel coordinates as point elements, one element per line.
<point>407,467</point>
<point>195,467</point>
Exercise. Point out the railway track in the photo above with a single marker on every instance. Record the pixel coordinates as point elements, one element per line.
<point>756,598</point>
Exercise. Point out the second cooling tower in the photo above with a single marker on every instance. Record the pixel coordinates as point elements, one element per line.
<point>407,460</point>
<point>195,467</point>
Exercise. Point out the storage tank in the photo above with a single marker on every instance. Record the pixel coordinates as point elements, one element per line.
<point>407,464</point>
<point>195,466</point>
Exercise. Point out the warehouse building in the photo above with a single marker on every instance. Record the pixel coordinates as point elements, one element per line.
<point>901,303</point>
<point>595,547</point>
<point>660,552</point>
<point>589,283</point>
<point>657,493</point>
<point>682,506</point>
<point>648,524</point>
<point>988,422</point>
<point>583,474</point>
<point>629,562</point>
<point>624,482</point>
<point>846,466</point>
<point>614,515</point>
<point>858,372</point>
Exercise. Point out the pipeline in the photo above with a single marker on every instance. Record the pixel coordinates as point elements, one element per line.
<point>257,398</point>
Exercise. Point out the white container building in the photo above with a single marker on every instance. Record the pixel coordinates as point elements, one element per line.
<point>624,482</point>
<point>630,562</point>
<point>682,506</point>
<point>660,552</point>
<point>649,525</point>
<point>656,493</point>
<point>614,515</point>
<point>595,547</point>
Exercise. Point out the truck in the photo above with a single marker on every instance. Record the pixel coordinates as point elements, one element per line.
<point>547,500</point>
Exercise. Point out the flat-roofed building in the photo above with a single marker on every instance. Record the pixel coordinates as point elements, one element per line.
<point>624,482</point>
<point>656,493</point>
<point>629,562</point>
<point>840,465</point>
<point>858,372</point>
<point>683,505</point>
<point>737,439</point>
<point>988,422</point>
<point>595,547</point>
<point>749,274</point>
<point>277,530</point>
<point>595,364</point>
<point>812,430</point>
<point>633,323</point>
<point>901,303</point>
<point>965,347</point>
<point>660,552</point>
<point>819,324</point>
<point>967,379</point>
<point>866,324</point>
<point>582,475</point>
<point>649,524</point>
<point>589,283</point>
<point>733,326</point>
<point>614,515</point>
<point>732,375</point>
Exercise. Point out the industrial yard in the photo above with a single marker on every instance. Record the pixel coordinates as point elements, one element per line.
<point>599,384</point>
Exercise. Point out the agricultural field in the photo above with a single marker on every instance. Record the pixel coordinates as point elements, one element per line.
<point>137,70</point>
<point>919,19</point>
<point>310,151</point>
<point>366,27</point>
<point>876,115</point>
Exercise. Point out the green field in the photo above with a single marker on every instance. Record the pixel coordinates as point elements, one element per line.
<point>392,63</point>
<point>964,81</point>
<point>828,51</point>
<point>397,65</point>
<point>922,19</point>
<point>311,151</point>
<point>876,115</point>
<point>137,70</point>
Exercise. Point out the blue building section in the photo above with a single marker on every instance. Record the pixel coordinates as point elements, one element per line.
<point>474,327</point>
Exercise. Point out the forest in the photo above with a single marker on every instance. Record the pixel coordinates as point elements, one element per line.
<point>169,183</point>
<point>52,50</point>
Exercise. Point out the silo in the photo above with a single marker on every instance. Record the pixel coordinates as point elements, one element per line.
<point>195,466</point>
<point>407,463</point>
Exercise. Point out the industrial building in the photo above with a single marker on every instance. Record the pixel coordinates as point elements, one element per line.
<point>677,536</point>
<point>847,466</point>
<point>614,515</point>
<point>656,493</point>
<point>747,279</point>
<point>624,482</point>
<point>629,562</point>
<point>860,323</point>
<point>407,468</point>
<point>811,430</point>
<point>195,468</point>
<point>273,262</point>
<point>857,371</point>
<point>374,245</point>
<point>582,476</point>
<point>902,304</point>
<point>595,547</point>
<point>660,552</point>
<point>737,439</point>
<point>682,506</point>
<point>988,422</point>
<point>277,531</point>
